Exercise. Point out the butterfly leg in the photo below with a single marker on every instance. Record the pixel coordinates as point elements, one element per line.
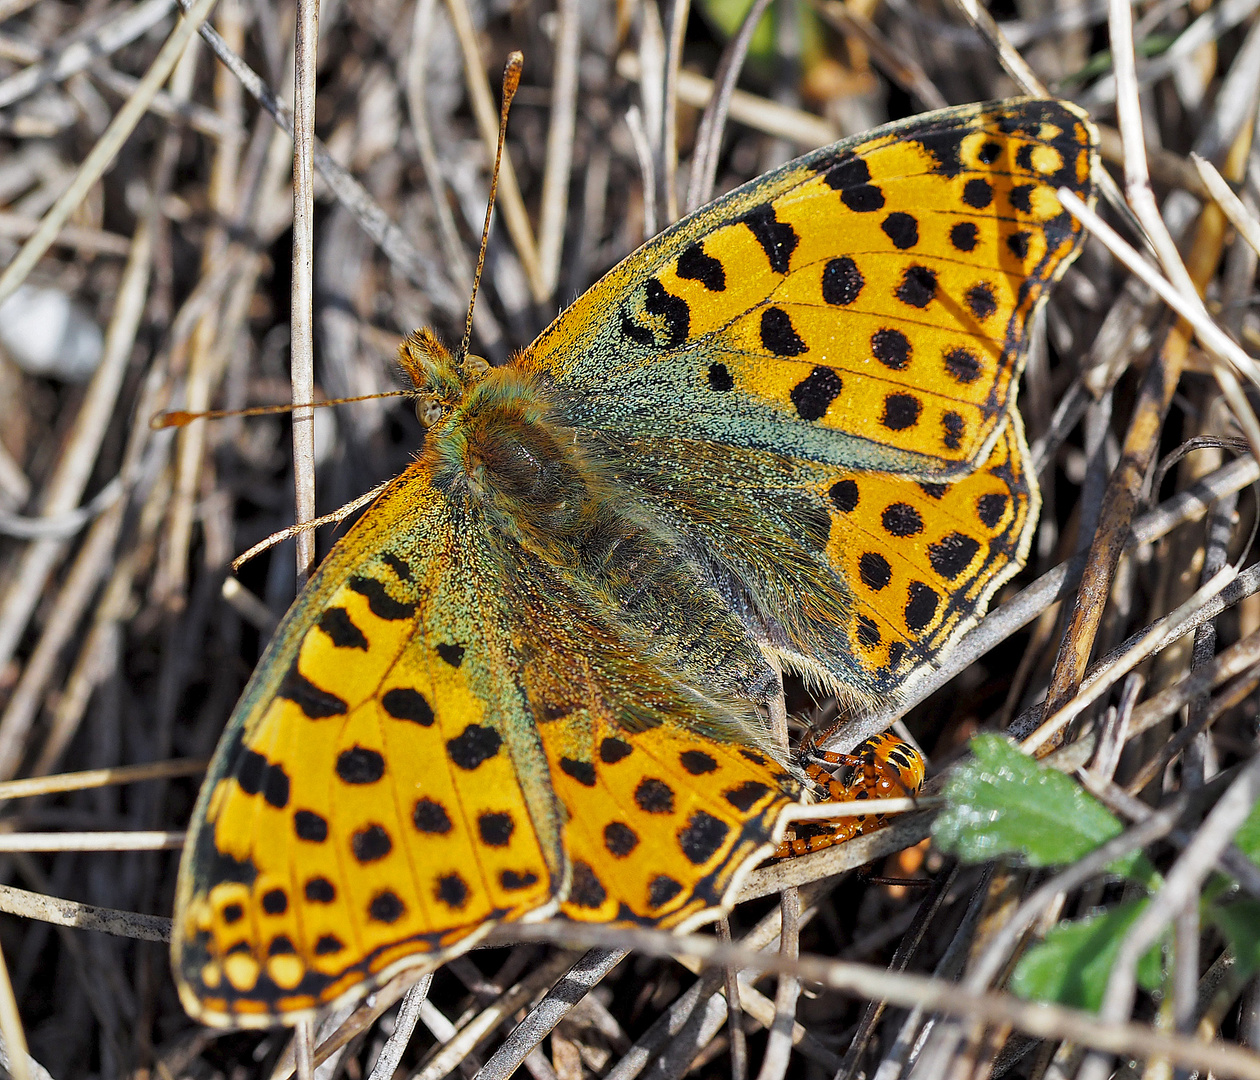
<point>882,767</point>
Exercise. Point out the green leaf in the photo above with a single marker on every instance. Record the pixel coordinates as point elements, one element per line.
<point>1004,803</point>
<point>1248,837</point>
<point>1239,922</point>
<point>728,16</point>
<point>1072,964</point>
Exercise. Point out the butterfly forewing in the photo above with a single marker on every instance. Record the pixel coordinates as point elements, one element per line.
<point>364,809</point>
<point>865,305</point>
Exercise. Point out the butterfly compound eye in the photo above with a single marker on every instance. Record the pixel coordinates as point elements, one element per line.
<point>428,411</point>
<point>476,366</point>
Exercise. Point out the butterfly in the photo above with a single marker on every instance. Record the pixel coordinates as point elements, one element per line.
<point>530,682</point>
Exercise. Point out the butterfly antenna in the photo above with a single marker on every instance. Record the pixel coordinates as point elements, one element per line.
<point>511,80</point>
<point>179,418</point>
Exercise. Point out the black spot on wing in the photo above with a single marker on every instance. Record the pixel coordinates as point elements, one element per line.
<point>473,746</point>
<point>662,890</point>
<point>360,765</point>
<point>902,229</point>
<point>310,826</point>
<point>777,239</point>
<point>852,178</point>
<point>620,839</point>
<point>964,236</point>
<point>640,335</point>
<point>496,829</point>
<point>901,411</point>
<point>977,193</point>
<point>370,844</point>
<point>847,172</point>
<point>963,365</point>
<point>613,750</point>
<point>918,286</point>
<point>380,603</point>
<point>451,890</point>
<point>257,776</point>
<point>891,348</point>
<point>720,377</point>
<point>746,795</point>
<point>654,796</point>
<point>952,555</point>
<point>901,520</point>
<point>319,890</point>
<point>673,309</point>
<point>697,762</point>
<point>340,628</point>
<point>842,281</point>
<point>874,570</point>
<point>694,265</point>
<point>778,336</point>
<point>844,495</point>
<point>990,508</point>
<point>585,889</point>
<point>386,907</point>
<point>814,394</point>
<point>702,837</point>
<point>430,816</point>
<point>328,945</point>
<point>276,787</point>
<point>512,881</point>
<point>981,301</point>
<point>581,771</point>
<point>451,653</point>
<point>921,606</point>
<point>945,146</point>
<point>867,632</point>
<point>404,703</point>
<point>316,704</point>
<point>399,566</point>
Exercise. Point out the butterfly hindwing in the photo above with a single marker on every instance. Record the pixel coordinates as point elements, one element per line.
<point>923,559</point>
<point>866,305</point>
<point>854,577</point>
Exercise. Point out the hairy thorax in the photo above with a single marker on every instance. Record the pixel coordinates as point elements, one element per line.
<point>492,443</point>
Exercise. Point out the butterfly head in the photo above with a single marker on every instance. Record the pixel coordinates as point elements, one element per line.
<point>491,436</point>
<point>440,379</point>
